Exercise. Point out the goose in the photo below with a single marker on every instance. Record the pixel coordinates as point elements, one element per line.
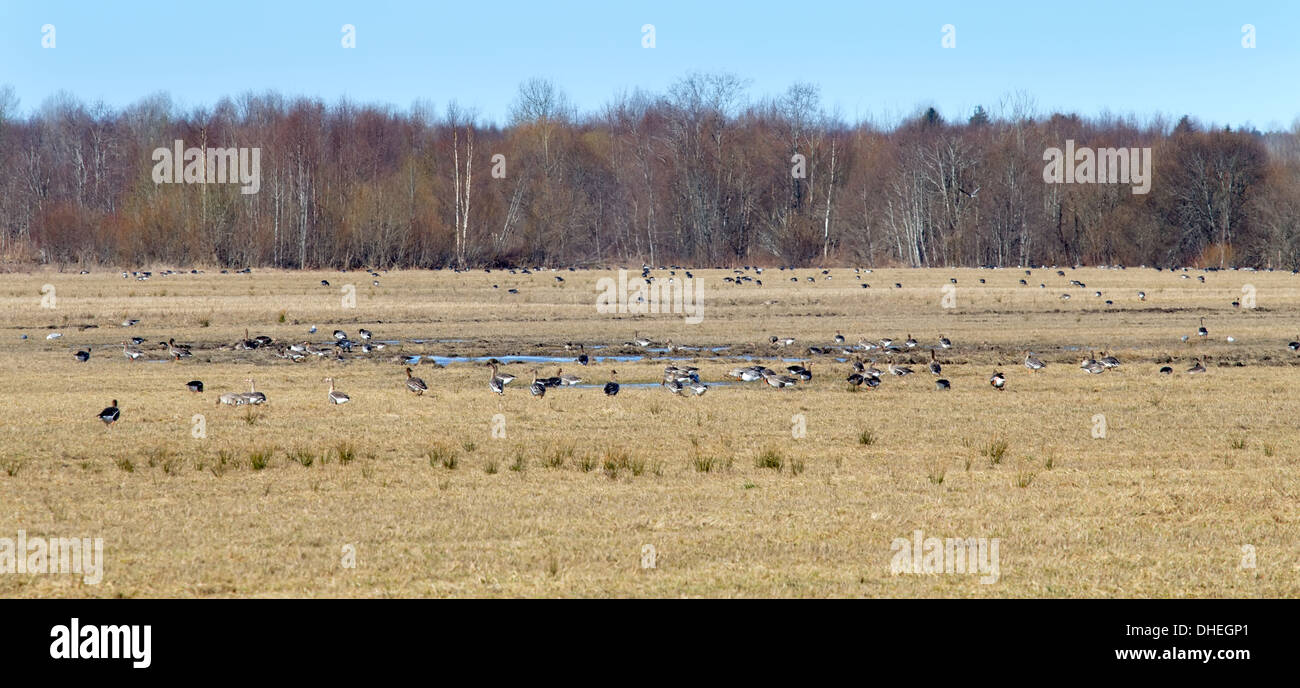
<point>110,415</point>
<point>1090,360</point>
<point>415,384</point>
<point>538,388</point>
<point>941,385</point>
<point>365,334</point>
<point>336,398</point>
<point>232,399</point>
<point>944,343</point>
<point>611,387</point>
<point>1093,367</point>
<point>910,343</point>
<point>1196,367</point>
<point>935,367</point>
<point>499,379</point>
<point>900,371</point>
<point>750,374</point>
<point>802,372</point>
<point>194,386</point>
<point>131,353</point>
<point>1109,361</point>
<point>640,341</point>
<point>1166,370</point>
<point>871,381</point>
<point>553,381</point>
<point>855,379</point>
<point>782,341</point>
<point>780,381</point>
<point>1033,363</point>
<point>1201,331</point>
<point>254,396</point>
<point>698,388</point>
<point>567,380</point>
<point>674,387</point>
<point>839,338</point>
<point>583,359</point>
<point>54,335</point>
<point>82,356</point>
<point>1142,296</point>
<point>999,381</point>
<point>1295,345</point>
<point>177,351</point>
<point>340,335</point>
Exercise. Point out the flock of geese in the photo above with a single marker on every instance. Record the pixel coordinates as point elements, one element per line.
<point>677,379</point>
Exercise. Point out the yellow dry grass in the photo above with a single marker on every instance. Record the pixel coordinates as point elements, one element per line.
<point>1191,470</point>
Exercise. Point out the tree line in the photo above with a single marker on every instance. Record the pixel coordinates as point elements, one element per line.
<point>701,174</point>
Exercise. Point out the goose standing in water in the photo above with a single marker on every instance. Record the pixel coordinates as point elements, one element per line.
<point>415,384</point>
<point>567,380</point>
<point>110,415</point>
<point>336,398</point>
<point>130,352</point>
<point>611,387</point>
<point>82,356</point>
<point>1196,367</point>
<point>935,367</point>
<point>195,386</point>
<point>177,351</point>
<point>1033,363</point>
<point>999,381</point>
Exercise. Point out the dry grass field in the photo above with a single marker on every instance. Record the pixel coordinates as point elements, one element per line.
<point>1192,470</point>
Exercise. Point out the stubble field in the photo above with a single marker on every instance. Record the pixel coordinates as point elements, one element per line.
<point>461,493</point>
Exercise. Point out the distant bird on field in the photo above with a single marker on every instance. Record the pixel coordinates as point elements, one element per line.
<point>1033,363</point>
<point>82,356</point>
<point>415,384</point>
<point>194,386</point>
<point>999,381</point>
<point>335,397</point>
<point>611,387</point>
<point>110,415</point>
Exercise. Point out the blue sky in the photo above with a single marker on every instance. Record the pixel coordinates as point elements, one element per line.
<point>872,60</point>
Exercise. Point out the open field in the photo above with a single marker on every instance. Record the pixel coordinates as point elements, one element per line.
<point>1191,468</point>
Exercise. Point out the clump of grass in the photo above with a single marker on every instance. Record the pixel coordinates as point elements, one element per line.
<point>521,462</point>
<point>125,464</point>
<point>259,458</point>
<point>205,322</point>
<point>250,416</point>
<point>442,455</point>
<point>490,467</point>
<point>281,318</point>
<point>936,473</point>
<point>995,449</point>
<point>345,452</point>
<point>866,438</point>
<point>302,456</point>
<point>586,463</point>
<point>469,446</point>
<point>796,466</point>
<point>557,456</point>
<point>1024,476</point>
<point>1269,449</point>
<point>770,457</point>
<point>655,408</point>
<point>1237,443</point>
<point>157,455</point>
<point>12,466</point>
<point>171,465</point>
<point>703,464</point>
<point>615,460</point>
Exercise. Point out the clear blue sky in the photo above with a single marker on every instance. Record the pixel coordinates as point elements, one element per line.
<point>873,60</point>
